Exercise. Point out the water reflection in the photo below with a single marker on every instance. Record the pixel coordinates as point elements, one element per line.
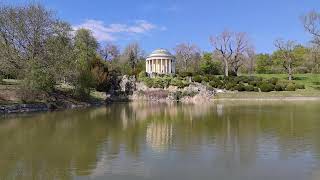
<point>226,140</point>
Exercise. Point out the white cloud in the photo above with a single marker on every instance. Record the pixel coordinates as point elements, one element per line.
<point>111,32</point>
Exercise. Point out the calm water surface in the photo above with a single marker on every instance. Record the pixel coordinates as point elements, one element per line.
<point>228,140</point>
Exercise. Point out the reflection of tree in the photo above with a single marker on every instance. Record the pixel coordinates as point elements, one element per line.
<point>49,145</point>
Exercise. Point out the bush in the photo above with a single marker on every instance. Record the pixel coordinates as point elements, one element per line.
<point>249,88</point>
<point>291,87</point>
<point>179,83</point>
<point>253,83</point>
<point>240,87</point>
<point>205,79</point>
<point>142,75</point>
<point>256,89</point>
<point>197,78</point>
<point>148,82</point>
<point>216,83</point>
<point>158,83</point>
<point>166,81</point>
<point>300,86</point>
<point>273,80</point>
<point>39,78</point>
<point>280,87</point>
<point>185,74</point>
<point>230,86</point>
<point>266,87</point>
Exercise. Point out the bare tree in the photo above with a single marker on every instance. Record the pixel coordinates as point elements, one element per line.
<point>250,60</point>
<point>132,54</point>
<point>286,55</point>
<point>223,45</point>
<point>313,58</point>
<point>110,52</point>
<point>232,48</point>
<point>311,22</point>
<point>188,56</point>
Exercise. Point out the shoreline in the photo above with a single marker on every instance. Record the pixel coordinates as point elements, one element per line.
<point>287,98</point>
<point>20,108</point>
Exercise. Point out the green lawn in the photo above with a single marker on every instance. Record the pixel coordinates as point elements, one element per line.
<point>311,82</point>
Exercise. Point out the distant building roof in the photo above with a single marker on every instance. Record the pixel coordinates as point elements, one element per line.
<point>161,53</point>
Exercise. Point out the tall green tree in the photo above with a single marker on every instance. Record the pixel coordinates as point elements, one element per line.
<point>33,42</point>
<point>264,64</point>
<point>209,66</point>
<point>85,50</point>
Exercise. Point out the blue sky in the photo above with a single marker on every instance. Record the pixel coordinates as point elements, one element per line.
<point>165,23</point>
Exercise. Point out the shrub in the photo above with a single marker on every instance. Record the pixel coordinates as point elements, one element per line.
<point>197,78</point>
<point>230,86</point>
<point>148,82</point>
<point>249,88</point>
<point>244,79</point>
<point>266,87</point>
<point>185,74</point>
<point>273,80</point>
<point>158,83</point>
<point>256,89</point>
<point>206,79</point>
<point>166,81</point>
<point>291,87</point>
<point>253,83</point>
<point>39,78</point>
<point>216,84</point>
<point>179,83</point>
<point>300,86</point>
<point>240,87</point>
<point>142,75</point>
<point>280,87</point>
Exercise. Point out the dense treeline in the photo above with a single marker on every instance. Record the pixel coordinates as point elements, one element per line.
<point>42,50</point>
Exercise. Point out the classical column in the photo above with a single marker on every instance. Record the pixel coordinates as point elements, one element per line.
<point>150,66</point>
<point>170,66</point>
<point>159,61</point>
<point>156,66</point>
<point>162,69</point>
<point>152,63</point>
<point>147,66</point>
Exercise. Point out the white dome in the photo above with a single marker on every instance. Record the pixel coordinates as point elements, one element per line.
<point>160,53</point>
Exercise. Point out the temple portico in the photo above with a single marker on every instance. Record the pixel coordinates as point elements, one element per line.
<point>161,62</point>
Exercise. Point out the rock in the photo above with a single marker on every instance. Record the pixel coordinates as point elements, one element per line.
<point>128,83</point>
<point>141,86</point>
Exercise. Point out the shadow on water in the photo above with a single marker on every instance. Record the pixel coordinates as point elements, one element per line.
<point>230,140</point>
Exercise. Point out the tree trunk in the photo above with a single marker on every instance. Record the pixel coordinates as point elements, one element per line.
<point>226,68</point>
<point>290,72</point>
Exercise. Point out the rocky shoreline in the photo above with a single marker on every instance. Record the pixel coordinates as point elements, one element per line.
<point>131,90</point>
<point>43,107</point>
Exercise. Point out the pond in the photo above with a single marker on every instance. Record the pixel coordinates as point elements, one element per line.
<point>232,140</point>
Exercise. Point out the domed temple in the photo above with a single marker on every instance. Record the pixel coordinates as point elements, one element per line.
<point>161,61</point>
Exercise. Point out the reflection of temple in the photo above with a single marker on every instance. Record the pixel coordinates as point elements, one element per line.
<point>159,135</point>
